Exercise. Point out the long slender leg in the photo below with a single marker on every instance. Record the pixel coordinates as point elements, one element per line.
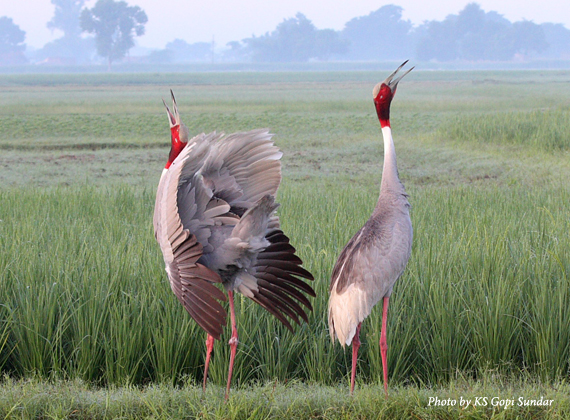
<point>233,341</point>
<point>383,344</point>
<point>209,348</point>
<point>355,347</point>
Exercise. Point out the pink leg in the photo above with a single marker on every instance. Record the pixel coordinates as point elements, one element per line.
<point>355,347</point>
<point>233,341</point>
<point>209,348</point>
<point>383,345</point>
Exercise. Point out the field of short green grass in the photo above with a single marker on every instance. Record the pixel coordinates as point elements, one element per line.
<point>87,317</point>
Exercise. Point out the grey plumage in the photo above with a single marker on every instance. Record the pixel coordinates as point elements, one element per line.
<point>369,265</point>
<point>377,254</point>
<point>215,222</point>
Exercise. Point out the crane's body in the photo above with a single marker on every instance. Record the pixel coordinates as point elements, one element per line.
<point>369,265</point>
<point>215,222</point>
<point>377,254</point>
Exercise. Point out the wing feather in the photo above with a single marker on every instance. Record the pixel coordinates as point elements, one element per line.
<point>287,288</point>
<point>277,270</point>
<point>286,278</point>
<point>278,294</point>
<point>244,162</point>
<point>182,215</point>
<point>268,305</point>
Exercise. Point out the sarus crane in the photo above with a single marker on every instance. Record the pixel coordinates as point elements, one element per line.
<point>215,222</point>
<point>377,254</point>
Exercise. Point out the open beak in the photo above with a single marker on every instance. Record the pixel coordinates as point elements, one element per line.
<point>392,82</point>
<point>173,117</point>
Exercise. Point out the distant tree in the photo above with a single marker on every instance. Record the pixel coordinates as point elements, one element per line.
<point>69,50</point>
<point>11,42</point>
<point>484,36</point>
<point>71,46</point>
<point>182,51</point>
<point>529,38</point>
<point>380,35</point>
<point>470,20</point>
<point>498,42</point>
<point>292,40</point>
<point>164,56</point>
<point>558,39</point>
<point>468,30</point>
<point>439,40</point>
<point>66,17</point>
<point>499,38</point>
<point>328,43</point>
<point>474,34</point>
<point>295,39</point>
<point>114,24</point>
<point>237,51</point>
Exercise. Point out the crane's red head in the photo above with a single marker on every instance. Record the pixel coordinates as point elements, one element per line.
<point>383,94</point>
<point>178,132</point>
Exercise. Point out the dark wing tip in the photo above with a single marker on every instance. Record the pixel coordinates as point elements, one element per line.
<point>280,288</point>
<point>195,287</point>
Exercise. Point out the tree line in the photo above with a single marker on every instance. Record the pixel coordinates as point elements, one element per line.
<point>470,35</point>
<point>114,25</point>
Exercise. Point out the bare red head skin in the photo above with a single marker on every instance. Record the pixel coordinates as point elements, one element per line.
<point>383,94</point>
<point>382,102</point>
<point>176,145</point>
<point>178,132</point>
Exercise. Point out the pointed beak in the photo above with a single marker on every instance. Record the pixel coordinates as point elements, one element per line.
<point>392,82</point>
<point>173,116</point>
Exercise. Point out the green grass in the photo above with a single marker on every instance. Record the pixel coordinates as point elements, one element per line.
<point>27,399</point>
<point>540,129</point>
<point>482,308</point>
<point>86,296</point>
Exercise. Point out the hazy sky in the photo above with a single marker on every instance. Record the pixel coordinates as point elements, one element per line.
<point>231,20</point>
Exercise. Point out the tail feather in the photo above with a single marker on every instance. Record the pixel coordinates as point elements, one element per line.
<point>346,311</point>
<point>254,221</point>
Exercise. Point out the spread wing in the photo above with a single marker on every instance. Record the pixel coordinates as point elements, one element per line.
<point>218,186</point>
<point>183,212</point>
<point>243,170</point>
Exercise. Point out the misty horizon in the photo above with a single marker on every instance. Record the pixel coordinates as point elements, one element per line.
<point>472,34</point>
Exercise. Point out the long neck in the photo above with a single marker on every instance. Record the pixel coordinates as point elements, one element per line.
<point>390,179</point>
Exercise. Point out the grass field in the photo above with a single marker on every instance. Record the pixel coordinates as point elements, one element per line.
<point>87,319</point>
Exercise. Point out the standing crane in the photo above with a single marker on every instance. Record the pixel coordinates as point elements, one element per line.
<point>215,222</point>
<point>377,254</point>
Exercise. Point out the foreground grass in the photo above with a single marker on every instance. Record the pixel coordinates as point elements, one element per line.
<point>84,292</point>
<point>32,399</point>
